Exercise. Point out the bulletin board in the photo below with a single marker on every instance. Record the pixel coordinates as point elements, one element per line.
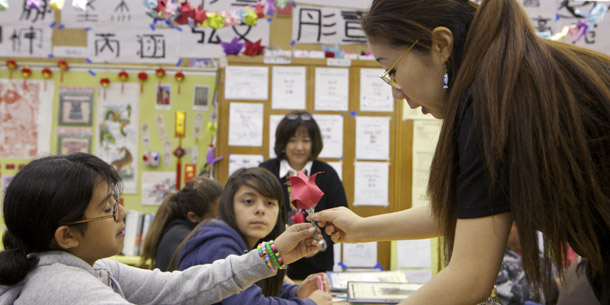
<point>400,136</point>
<point>71,128</point>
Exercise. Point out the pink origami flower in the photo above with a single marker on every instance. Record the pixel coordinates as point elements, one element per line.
<point>304,192</point>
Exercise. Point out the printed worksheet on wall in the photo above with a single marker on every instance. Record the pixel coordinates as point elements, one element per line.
<point>288,88</point>
<point>246,83</point>
<point>332,89</point>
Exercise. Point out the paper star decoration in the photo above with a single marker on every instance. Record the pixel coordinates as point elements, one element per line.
<point>231,18</point>
<point>33,4</point>
<point>210,156</point>
<point>254,49</point>
<point>282,3</point>
<point>233,47</point>
<point>169,12</point>
<point>250,17</point>
<point>215,21</point>
<point>335,50</point>
<point>271,7</point>
<point>57,5</point>
<point>304,193</point>
<point>80,4</point>
<point>200,15</point>
<point>185,11</point>
<point>260,10</point>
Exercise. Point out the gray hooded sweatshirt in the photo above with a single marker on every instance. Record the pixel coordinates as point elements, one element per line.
<point>62,278</point>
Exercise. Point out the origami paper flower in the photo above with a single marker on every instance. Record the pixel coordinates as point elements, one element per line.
<point>335,50</point>
<point>200,15</point>
<point>57,5</point>
<point>260,10</point>
<point>304,193</point>
<point>254,49</point>
<point>80,4</point>
<point>169,12</point>
<point>597,14</point>
<point>271,7</point>
<point>298,217</point>
<point>233,47</point>
<point>250,17</point>
<point>282,3</point>
<point>210,156</point>
<point>185,11</point>
<point>160,6</point>
<point>231,18</point>
<point>33,4</point>
<point>215,21</point>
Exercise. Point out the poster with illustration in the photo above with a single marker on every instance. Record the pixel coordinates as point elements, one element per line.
<point>73,140</point>
<point>117,132</point>
<point>156,186</point>
<point>75,106</point>
<point>163,97</point>
<point>25,124</point>
<point>201,98</point>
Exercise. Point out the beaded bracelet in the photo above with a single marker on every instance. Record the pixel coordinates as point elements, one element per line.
<point>271,254</point>
<point>281,263</point>
<point>262,252</point>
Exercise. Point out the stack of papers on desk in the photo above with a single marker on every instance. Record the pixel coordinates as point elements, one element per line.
<point>339,280</point>
<point>379,292</point>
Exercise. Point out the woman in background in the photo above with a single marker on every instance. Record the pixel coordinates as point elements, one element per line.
<point>177,216</point>
<point>298,142</point>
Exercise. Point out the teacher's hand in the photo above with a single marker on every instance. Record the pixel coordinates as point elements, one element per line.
<point>297,241</point>
<point>341,224</point>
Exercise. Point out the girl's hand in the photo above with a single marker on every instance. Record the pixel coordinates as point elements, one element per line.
<point>297,241</point>
<point>341,224</point>
<point>321,297</point>
<point>316,281</point>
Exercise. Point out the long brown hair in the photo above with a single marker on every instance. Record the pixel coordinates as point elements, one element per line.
<point>199,195</point>
<point>542,109</point>
<point>266,184</point>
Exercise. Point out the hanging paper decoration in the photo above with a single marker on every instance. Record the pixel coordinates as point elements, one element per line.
<point>160,73</point>
<point>26,72</point>
<point>200,16</point>
<point>57,5</point>
<point>179,78</point>
<point>3,5</point>
<point>254,49</point>
<point>105,82</point>
<point>259,8</point>
<point>282,3</point>
<point>336,53</point>
<point>46,74</point>
<point>271,7</point>
<point>185,11</point>
<point>231,19</point>
<point>63,66</point>
<point>215,21</point>
<point>12,65</point>
<point>80,4</point>
<point>142,76</point>
<point>169,12</point>
<point>123,76</point>
<point>233,47</point>
<point>250,18</point>
<point>33,4</point>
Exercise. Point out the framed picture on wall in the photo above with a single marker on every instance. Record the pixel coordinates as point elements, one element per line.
<point>164,97</point>
<point>75,106</point>
<point>71,143</point>
<point>201,98</point>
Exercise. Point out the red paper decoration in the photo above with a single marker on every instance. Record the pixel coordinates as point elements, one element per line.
<point>179,78</point>
<point>63,66</point>
<point>142,76</point>
<point>160,73</point>
<point>26,72</point>
<point>46,74</point>
<point>123,76</point>
<point>12,65</point>
<point>105,82</point>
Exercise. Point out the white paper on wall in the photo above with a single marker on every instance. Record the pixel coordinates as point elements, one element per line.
<point>156,186</point>
<point>331,89</point>
<point>372,138</point>
<point>371,181</point>
<point>331,127</point>
<point>425,137</point>
<point>246,83</point>
<point>375,94</point>
<point>246,124</point>
<point>288,87</point>
<point>327,25</point>
<point>360,254</point>
<point>243,161</point>
<point>274,120</point>
<point>414,253</point>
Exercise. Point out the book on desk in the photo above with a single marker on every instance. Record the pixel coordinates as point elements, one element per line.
<point>338,280</point>
<point>379,292</point>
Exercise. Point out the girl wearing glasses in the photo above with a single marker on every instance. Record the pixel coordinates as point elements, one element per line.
<point>298,141</point>
<point>177,216</point>
<point>251,210</point>
<point>63,219</point>
<point>525,137</point>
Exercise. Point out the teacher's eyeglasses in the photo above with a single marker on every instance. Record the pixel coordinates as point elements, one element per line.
<point>304,116</point>
<point>389,79</point>
<point>114,214</point>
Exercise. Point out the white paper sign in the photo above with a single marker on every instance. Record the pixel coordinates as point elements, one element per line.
<point>425,137</point>
<point>156,186</point>
<point>205,42</point>
<point>371,181</point>
<point>375,94</point>
<point>372,138</point>
<point>243,161</point>
<point>327,25</point>
<point>246,124</point>
<point>246,83</point>
<point>133,45</point>
<point>106,14</point>
<point>331,127</point>
<point>288,88</point>
<point>274,120</point>
<point>360,254</point>
<point>414,253</point>
<point>419,276</point>
<point>25,40</point>
<point>338,167</point>
<point>332,89</point>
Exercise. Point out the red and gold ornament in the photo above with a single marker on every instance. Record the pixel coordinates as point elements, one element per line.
<point>179,78</point>
<point>63,66</point>
<point>12,65</point>
<point>46,74</point>
<point>123,76</point>
<point>26,72</point>
<point>105,82</point>
<point>142,76</point>
<point>160,73</point>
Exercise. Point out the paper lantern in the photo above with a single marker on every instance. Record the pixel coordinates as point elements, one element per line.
<point>12,65</point>
<point>46,74</point>
<point>160,73</point>
<point>179,78</point>
<point>105,82</point>
<point>123,76</point>
<point>63,66</point>
<point>26,72</point>
<point>142,76</point>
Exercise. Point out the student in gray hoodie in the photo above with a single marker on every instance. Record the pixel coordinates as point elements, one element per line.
<point>63,218</point>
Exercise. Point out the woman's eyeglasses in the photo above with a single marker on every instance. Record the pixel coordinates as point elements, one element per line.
<point>114,214</point>
<point>304,116</point>
<point>385,76</point>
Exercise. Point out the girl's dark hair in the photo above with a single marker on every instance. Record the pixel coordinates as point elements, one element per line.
<point>199,195</point>
<point>45,194</point>
<point>288,127</point>
<point>266,184</point>
<point>542,110</point>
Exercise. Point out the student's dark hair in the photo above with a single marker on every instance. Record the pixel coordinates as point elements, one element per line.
<point>266,184</point>
<point>45,194</point>
<point>542,110</point>
<point>199,195</point>
<point>288,127</point>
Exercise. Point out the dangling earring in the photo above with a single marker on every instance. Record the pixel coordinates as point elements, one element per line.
<point>445,80</point>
